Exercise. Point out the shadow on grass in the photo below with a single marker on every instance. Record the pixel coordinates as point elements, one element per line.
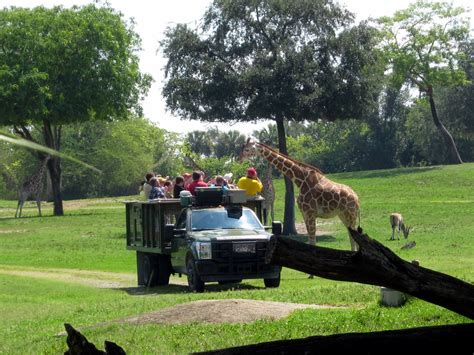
<point>174,289</point>
<point>387,173</point>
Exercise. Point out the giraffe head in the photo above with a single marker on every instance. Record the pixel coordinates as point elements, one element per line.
<point>248,150</point>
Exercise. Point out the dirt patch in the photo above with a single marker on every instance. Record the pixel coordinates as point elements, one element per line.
<point>11,231</point>
<point>222,311</point>
<point>301,229</point>
<point>84,277</point>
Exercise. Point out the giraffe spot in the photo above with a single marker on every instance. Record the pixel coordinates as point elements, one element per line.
<point>333,204</point>
<point>327,195</point>
<point>290,174</point>
<point>336,197</point>
<point>312,204</point>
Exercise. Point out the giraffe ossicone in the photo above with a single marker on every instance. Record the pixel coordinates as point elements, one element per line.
<point>319,197</point>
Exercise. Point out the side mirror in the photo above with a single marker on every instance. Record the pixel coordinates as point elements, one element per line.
<point>169,232</point>
<point>277,228</point>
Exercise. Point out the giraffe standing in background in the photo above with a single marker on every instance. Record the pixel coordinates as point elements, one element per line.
<point>319,196</point>
<point>268,194</point>
<point>32,186</point>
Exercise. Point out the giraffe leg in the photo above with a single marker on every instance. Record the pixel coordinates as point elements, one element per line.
<point>350,222</point>
<point>393,233</point>
<point>310,223</point>
<point>20,205</point>
<point>17,208</point>
<point>265,216</point>
<point>272,212</point>
<point>38,203</point>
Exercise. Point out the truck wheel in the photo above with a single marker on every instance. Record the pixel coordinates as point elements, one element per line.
<point>164,270</point>
<point>195,283</point>
<point>272,283</point>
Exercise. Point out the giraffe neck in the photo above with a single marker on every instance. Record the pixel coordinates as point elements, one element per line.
<point>288,167</point>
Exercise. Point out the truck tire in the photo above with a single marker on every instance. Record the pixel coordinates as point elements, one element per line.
<point>164,270</point>
<point>195,283</point>
<point>272,283</point>
<point>156,270</point>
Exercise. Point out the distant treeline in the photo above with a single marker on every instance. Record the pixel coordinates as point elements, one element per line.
<point>401,133</point>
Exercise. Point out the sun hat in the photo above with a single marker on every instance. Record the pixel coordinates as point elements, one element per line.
<point>227,177</point>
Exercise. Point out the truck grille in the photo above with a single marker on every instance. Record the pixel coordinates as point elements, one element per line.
<point>229,261</point>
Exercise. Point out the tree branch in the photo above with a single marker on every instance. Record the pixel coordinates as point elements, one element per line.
<point>374,264</point>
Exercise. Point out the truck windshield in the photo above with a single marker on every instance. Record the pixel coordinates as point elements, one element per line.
<point>218,219</point>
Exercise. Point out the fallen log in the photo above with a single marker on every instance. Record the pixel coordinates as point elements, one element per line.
<point>374,264</point>
<point>452,339</point>
<point>79,345</point>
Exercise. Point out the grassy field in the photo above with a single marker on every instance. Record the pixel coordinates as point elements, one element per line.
<point>43,260</point>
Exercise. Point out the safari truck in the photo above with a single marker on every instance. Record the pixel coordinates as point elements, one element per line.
<point>212,237</point>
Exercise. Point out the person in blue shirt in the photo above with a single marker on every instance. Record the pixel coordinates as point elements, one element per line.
<point>156,190</point>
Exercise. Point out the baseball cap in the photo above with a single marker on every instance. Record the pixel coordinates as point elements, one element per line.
<point>251,172</point>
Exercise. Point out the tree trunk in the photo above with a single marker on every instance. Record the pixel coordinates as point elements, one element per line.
<point>445,339</point>
<point>54,168</point>
<point>374,264</point>
<point>52,138</point>
<point>455,158</point>
<point>289,213</point>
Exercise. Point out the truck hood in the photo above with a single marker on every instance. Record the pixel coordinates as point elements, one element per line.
<point>229,234</point>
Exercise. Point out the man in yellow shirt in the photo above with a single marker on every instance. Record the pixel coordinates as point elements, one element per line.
<point>250,183</point>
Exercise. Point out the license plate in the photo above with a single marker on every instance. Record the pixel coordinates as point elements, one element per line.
<point>244,248</point>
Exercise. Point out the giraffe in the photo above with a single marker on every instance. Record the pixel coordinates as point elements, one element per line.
<point>318,197</point>
<point>32,186</point>
<point>268,193</point>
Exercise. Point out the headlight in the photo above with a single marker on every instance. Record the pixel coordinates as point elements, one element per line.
<point>204,250</point>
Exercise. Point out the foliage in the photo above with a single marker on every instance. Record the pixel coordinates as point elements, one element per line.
<point>125,151</point>
<point>436,201</point>
<point>214,143</point>
<point>67,65</point>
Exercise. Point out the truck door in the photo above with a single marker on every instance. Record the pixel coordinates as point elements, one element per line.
<point>179,243</point>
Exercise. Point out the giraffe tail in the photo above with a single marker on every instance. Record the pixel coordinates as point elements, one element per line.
<point>358,213</point>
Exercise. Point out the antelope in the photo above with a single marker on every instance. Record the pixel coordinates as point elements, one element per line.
<point>396,220</point>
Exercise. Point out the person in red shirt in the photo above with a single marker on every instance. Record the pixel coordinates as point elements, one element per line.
<point>197,182</point>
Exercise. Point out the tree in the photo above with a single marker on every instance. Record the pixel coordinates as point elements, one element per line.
<point>421,45</point>
<point>277,60</point>
<point>60,66</point>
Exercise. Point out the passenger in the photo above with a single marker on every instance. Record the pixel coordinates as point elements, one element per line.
<point>168,187</point>
<point>147,186</point>
<point>197,182</point>
<point>188,179</point>
<point>156,190</point>
<point>220,182</point>
<point>178,186</point>
<point>250,183</point>
<point>228,181</point>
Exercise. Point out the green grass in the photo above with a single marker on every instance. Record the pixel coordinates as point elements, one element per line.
<point>438,202</point>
